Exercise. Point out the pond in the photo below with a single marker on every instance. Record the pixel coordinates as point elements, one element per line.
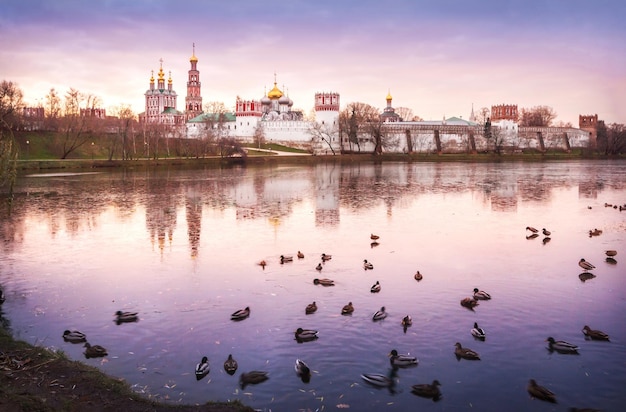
<point>182,249</point>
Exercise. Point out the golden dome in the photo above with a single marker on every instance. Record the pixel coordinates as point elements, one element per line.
<point>275,93</point>
<point>389,96</point>
<point>161,74</point>
<point>152,76</point>
<point>193,58</point>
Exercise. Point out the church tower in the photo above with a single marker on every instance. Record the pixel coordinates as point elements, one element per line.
<point>193,101</point>
<point>327,108</point>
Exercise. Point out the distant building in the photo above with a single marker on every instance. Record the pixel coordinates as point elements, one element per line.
<point>94,112</point>
<point>389,114</point>
<point>33,118</point>
<point>161,102</point>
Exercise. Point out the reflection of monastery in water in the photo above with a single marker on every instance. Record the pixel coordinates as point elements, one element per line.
<point>274,119</point>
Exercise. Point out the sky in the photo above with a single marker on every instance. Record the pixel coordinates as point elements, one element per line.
<point>436,57</point>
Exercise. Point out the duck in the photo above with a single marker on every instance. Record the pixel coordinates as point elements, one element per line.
<point>407,321</point>
<point>252,378</point>
<point>427,390</point>
<point>324,282</point>
<point>122,317</point>
<point>478,332</point>
<point>230,365</point>
<point>367,265</point>
<point>377,379</point>
<point>546,240</point>
<point>401,360</point>
<point>609,253</point>
<point>374,237</point>
<point>300,255</point>
<point>595,232</point>
<point>94,351</point>
<point>326,257</point>
<point>319,267</point>
<point>74,336</point>
<point>539,392</point>
<point>532,229</point>
<point>262,263</point>
<point>594,333</point>
<point>306,334</point>
<point>202,368</point>
<point>465,353</point>
<point>561,346</point>
<point>310,308</point>
<point>585,265</point>
<point>241,314</point>
<point>469,303</point>
<point>379,314</point>
<point>418,276</point>
<point>302,370</point>
<point>347,309</point>
<point>546,232</point>
<point>375,288</point>
<point>284,259</point>
<point>481,294</point>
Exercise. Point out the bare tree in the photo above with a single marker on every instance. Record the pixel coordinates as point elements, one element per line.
<point>541,116</point>
<point>259,135</point>
<point>483,115</point>
<point>361,119</point>
<point>52,110</point>
<point>76,128</point>
<point>405,113</point>
<point>124,132</point>
<point>11,106</point>
<point>611,139</point>
<point>324,133</point>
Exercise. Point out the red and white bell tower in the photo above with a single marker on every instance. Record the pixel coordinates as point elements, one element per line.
<point>193,101</point>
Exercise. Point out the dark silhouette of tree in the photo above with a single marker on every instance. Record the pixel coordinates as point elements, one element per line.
<point>11,106</point>
<point>541,116</point>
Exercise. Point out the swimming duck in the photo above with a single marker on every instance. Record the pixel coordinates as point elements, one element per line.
<point>367,265</point>
<point>324,282</point>
<point>310,308</point>
<point>375,288</point>
<point>481,294</point>
<point>401,360</point>
<point>302,370</point>
<point>241,314</point>
<point>347,309</point>
<point>74,336</point>
<point>94,351</point>
<point>418,276</point>
<point>478,332</point>
<point>561,346</point>
<point>377,379</point>
<point>300,255</point>
<point>284,259</point>
<point>469,303</point>
<point>546,232</point>
<point>326,257</point>
<point>319,267</point>
<point>379,314</point>
<point>374,237</point>
<point>230,365</point>
<point>594,334</point>
<point>465,353</point>
<point>122,317</point>
<point>539,392</point>
<point>609,253</point>
<point>532,229</point>
<point>427,390</point>
<point>202,368</point>
<point>407,321</point>
<point>585,265</point>
<point>252,378</point>
<point>306,334</point>
<point>262,264</point>
<point>595,232</point>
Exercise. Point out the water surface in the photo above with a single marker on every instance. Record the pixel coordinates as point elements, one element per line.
<point>182,247</point>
